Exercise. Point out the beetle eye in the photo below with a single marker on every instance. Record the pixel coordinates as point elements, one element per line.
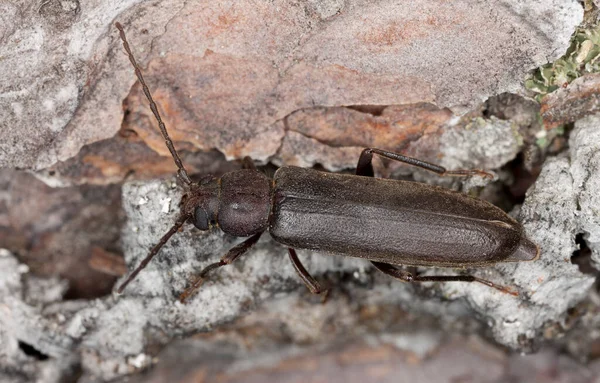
<point>200,219</point>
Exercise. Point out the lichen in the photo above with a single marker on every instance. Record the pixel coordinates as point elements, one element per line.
<point>582,56</point>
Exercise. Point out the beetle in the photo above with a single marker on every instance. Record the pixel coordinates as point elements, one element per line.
<point>388,222</point>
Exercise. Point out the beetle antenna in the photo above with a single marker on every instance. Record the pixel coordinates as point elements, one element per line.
<point>180,221</point>
<point>138,72</point>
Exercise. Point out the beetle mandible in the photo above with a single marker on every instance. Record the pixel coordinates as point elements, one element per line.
<point>388,222</point>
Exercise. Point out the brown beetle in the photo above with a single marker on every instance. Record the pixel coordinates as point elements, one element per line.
<point>388,222</point>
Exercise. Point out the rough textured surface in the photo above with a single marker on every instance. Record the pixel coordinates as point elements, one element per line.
<point>585,170</point>
<point>288,338</point>
<point>126,156</point>
<point>225,73</point>
<point>548,286</point>
<point>320,136</point>
<point>378,359</point>
<point>579,99</point>
<point>264,299</point>
<point>316,137</point>
<point>22,323</point>
<point>58,231</point>
<point>458,360</point>
<point>275,80</point>
<point>118,335</point>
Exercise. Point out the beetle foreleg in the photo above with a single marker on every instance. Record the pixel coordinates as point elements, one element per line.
<point>233,254</point>
<point>310,282</point>
<point>408,277</point>
<point>365,164</point>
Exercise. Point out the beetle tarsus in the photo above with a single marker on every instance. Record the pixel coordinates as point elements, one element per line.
<point>311,283</point>
<point>233,254</point>
<point>365,165</point>
<point>183,297</point>
<point>467,173</point>
<point>504,289</point>
<point>405,276</point>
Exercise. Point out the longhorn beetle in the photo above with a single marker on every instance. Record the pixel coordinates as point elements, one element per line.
<point>388,222</point>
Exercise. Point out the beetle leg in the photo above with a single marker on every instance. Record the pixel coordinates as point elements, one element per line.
<point>408,277</point>
<point>365,164</point>
<point>308,280</point>
<point>233,254</point>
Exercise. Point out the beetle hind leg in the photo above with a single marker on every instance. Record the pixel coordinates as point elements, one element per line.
<point>311,283</point>
<point>233,254</point>
<point>365,164</point>
<point>408,277</point>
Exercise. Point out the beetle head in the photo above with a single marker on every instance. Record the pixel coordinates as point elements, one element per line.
<point>201,203</point>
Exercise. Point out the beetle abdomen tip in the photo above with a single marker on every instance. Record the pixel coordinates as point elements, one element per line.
<point>526,251</point>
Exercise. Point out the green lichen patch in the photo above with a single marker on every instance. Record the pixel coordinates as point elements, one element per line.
<point>583,56</point>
